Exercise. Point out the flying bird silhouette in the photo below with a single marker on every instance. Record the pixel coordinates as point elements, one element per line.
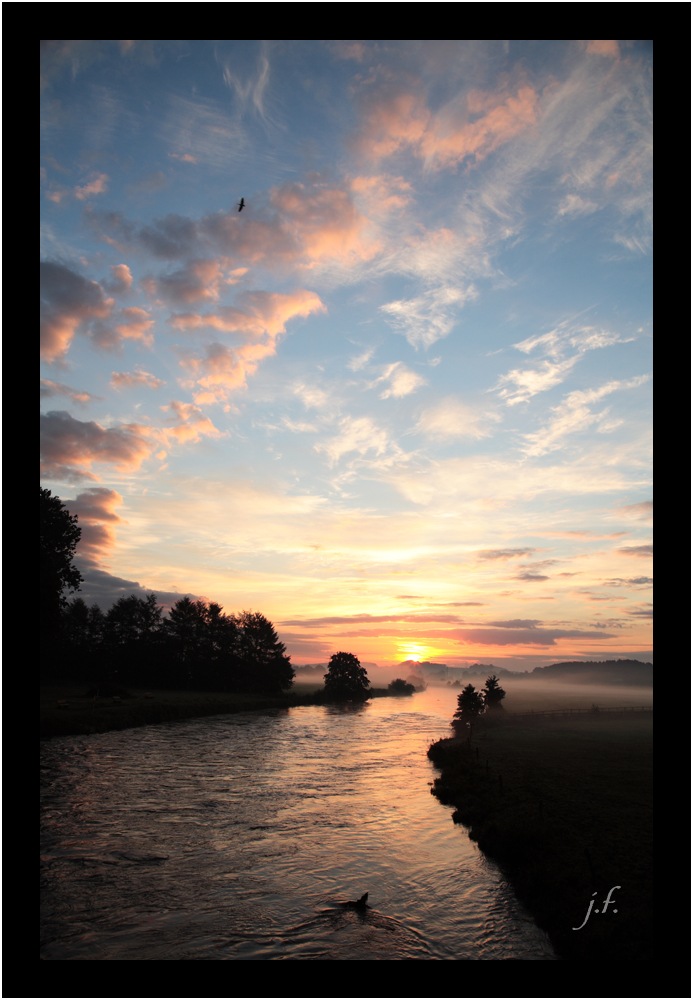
<point>241,204</point>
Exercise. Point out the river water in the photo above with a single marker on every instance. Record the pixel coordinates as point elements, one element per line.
<point>237,838</point>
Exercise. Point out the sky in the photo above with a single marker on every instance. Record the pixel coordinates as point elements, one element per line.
<point>400,404</point>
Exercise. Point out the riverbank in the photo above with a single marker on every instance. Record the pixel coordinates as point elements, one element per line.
<point>564,806</point>
<point>68,710</point>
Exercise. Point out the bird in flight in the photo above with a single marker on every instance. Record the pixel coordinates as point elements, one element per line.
<point>241,204</point>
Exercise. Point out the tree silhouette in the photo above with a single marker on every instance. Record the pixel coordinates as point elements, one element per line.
<point>470,705</point>
<point>264,665</point>
<point>400,687</point>
<point>346,679</point>
<point>58,536</point>
<point>493,693</point>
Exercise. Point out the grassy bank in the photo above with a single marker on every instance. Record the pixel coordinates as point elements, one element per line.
<point>67,710</point>
<point>564,805</point>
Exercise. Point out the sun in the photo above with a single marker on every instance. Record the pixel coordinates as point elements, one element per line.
<point>412,651</point>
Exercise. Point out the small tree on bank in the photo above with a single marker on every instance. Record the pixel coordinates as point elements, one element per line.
<point>493,694</point>
<point>346,679</point>
<point>400,687</point>
<point>470,705</point>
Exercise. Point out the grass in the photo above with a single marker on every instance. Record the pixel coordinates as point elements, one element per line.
<point>564,805</point>
<point>66,710</point>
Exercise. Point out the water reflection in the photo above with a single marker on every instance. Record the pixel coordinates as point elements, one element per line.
<point>234,838</point>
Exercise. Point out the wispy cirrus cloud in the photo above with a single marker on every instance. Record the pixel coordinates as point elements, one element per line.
<point>427,317</point>
<point>558,351</point>
<point>575,415</point>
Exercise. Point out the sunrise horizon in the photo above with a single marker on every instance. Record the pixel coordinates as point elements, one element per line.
<point>356,335</point>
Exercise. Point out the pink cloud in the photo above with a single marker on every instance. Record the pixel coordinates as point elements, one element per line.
<point>497,119</point>
<point>324,222</point>
<point>67,302</point>
<point>51,388</point>
<point>69,447</point>
<point>135,325</point>
<point>95,509</point>
<point>97,185</point>
<point>603,47</point>
<point>122,278</point>
<point>261,320</point>
<point>472,127</point>
<point>184,157</point>
<point>126,380</point>
<point>191,424</point>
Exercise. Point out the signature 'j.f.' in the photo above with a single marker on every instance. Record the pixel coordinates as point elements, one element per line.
<point>606,904</point>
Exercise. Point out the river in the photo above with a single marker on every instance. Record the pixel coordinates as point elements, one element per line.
<point>238,837</point>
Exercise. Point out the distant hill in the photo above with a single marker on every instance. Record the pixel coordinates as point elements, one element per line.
<point>631,672</point>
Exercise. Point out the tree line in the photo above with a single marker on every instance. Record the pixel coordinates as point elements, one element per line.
<point>196,645</point>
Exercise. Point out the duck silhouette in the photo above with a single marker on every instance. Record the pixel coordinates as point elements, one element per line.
<point>357,904</point>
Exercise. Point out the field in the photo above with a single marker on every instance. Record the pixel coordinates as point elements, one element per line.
<point>564,804</point>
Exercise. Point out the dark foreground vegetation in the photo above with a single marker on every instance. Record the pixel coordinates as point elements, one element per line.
<point>564,805</point>
<point>69,709</point>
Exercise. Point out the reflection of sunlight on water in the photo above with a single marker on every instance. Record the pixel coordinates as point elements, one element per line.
<point>233,837</point>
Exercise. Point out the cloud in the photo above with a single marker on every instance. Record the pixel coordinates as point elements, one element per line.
<point>203,128</point>
<point>396,119</point>
<point>68,301</point>
<point>127,380</point>
<point>523,637</point>
<point>306,225</point>
<point>504,553</point>
<point>529,577</point>
<point>603,47</point>
<point>356,434</point>
<point>450,418</point>
<point>518,623</point>
<point>121,280</point>
<point>190,424</point>
<point>260,319</point>
<point>574,205</point>
<point>324,223</point>
<point>428,317</point>
<point>636,550</point>
<point>98,185</point>
<point>69,447</point>
<point>562,347</point>
<point>478,125</point>
<point>520,385</point>
<point>184,157</point>
<point>574,414</point>
<point>135,324</point>
<point>96,510</point>
<point>198,281</point>
<point>641,511</point>
<point>50,388</point>
<point>399,381</point>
